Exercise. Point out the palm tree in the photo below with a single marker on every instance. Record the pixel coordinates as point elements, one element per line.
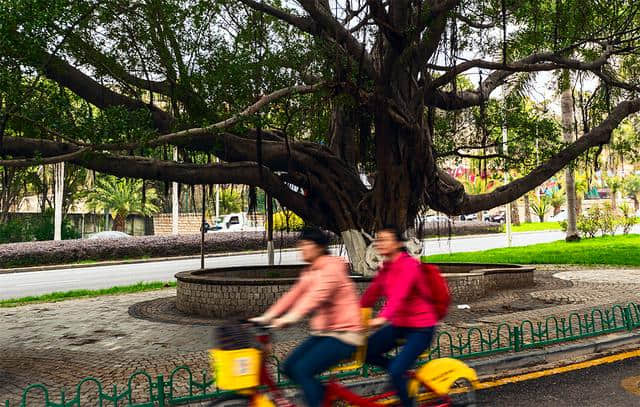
<point>581,189</point>
<point>480,185</point>
<point>121,197</point>
<point>527,207</point>
<point>541,206</point>
<point>632,189</point>
<point>566,106</point>
<point>556,200</point>
<point>230,200</point>
<point>615,185</point>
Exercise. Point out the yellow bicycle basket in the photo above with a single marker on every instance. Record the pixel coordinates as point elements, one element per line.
<point>236,369</point>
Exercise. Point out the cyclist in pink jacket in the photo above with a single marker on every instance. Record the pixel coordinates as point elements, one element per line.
<point>325,290</point>
<point>407,313</point>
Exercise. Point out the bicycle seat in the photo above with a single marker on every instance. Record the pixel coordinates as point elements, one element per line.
<point>361,352</point>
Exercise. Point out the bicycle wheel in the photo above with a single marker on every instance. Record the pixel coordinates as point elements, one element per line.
<point>463,394</point>
<point>231,400</point>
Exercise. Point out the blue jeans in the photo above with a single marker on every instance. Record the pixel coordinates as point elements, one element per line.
<point>312,357</point>
<point>384,340</point>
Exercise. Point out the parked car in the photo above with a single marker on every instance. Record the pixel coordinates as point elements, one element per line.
<point>108,234</point>
<point>560,216</point>
<point>499,217</point>
<point>469,216</point>
<point>234,222</point>
<point>437,218</point>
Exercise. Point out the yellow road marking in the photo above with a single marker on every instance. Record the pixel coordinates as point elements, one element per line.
<point>558,370</point>
<point>631,384</point>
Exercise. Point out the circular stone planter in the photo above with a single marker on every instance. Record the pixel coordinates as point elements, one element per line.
<point>239,292</point>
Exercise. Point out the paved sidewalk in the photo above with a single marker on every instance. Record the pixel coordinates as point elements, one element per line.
<point>58,344</point>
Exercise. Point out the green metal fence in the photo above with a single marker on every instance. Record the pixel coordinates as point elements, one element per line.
<point>161,391</point>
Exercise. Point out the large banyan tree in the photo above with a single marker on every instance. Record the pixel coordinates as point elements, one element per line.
<point>299,98</point>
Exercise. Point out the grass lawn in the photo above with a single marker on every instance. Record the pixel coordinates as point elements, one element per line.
<point>534,226</point>
<point>613,250</point>
<point>73,294</point>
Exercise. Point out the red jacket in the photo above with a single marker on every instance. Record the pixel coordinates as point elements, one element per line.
<point>402,283</point>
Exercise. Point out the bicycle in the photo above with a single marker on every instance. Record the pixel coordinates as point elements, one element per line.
<point>442,382</point>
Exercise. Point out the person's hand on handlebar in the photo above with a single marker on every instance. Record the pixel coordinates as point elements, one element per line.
<point>285,320</point>
<point>264,319</point>
<point>377,322</point>
<point>278,323</point>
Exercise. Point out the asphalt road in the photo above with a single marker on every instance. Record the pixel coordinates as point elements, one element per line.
<point>611,385</point>
<point>91,277</point>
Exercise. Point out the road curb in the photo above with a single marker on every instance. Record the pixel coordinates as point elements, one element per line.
<point>594,347</point>
<point>136,261</point>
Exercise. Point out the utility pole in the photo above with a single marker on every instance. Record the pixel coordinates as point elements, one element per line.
<point>58,170</point>
<point>174,200</point>
<point>505,149</point>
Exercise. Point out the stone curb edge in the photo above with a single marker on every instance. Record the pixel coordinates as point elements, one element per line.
<point>498,367</point>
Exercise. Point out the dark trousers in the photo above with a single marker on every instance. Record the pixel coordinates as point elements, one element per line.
<point>312,357</point>
<point>384,340</point>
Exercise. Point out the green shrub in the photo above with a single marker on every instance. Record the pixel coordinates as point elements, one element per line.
<point>13,230</point>
<point>287,221</point>
<point>628,218</point>
<point>608,220</point>
<point>603,219</point>
<point>38,227</point>
<point>586,225</point>
<point>564,225</point>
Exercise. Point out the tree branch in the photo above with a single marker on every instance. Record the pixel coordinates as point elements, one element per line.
<point>458,153</point>
<point>265,100</point>
<point>26,162</point>
<point>64,74</point>
<point>97,59</point>
<point>192,134</point>
<point>532,63</point>
<point>474,24</point>
<point>382,20</point>
<point>435,18</point>
<point>454,201</point>
<point>247,173</point>
<point>334,30</point>
<point>305,24</point>
<point>199,138</point>
<point>537,62</point>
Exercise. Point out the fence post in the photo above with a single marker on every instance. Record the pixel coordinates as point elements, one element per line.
<point>517,346</point>
<point>115,395</point>
<point>161,400</point>
<point>628,321</point>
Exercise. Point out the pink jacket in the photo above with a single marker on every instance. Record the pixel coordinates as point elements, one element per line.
<point>324,287</point>
<point>406,291</point>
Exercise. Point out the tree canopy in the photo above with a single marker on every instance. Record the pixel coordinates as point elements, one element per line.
<point>309,94</point>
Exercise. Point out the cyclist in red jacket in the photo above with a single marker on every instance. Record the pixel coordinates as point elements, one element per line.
<point>407,314</point>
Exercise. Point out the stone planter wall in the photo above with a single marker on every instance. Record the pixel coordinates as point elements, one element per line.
<point>248,291</point>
